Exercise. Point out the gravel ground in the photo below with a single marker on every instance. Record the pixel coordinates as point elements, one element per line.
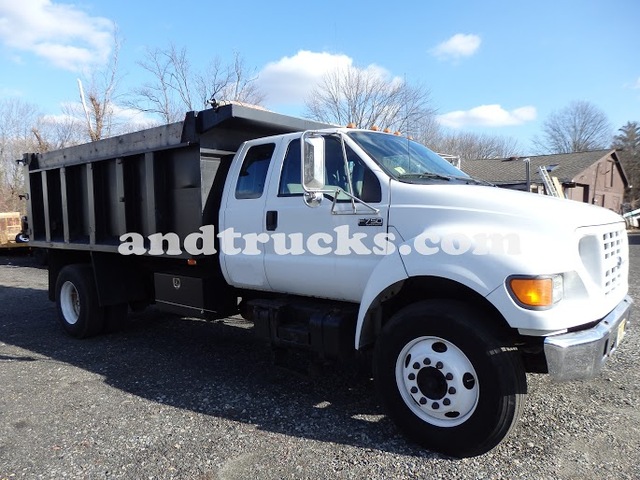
<point>187,399</point>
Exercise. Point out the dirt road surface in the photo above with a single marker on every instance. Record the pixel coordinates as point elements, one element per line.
<point>187,399</point>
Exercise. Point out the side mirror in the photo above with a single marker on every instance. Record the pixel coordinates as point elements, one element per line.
<point>312,199</point>
<point>312,162</point>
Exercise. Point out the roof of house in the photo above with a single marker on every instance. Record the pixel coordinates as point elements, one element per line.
<point>565,166</point>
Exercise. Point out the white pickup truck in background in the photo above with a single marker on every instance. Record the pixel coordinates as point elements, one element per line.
<point>344,242</point>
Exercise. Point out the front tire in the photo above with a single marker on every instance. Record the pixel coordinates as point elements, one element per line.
<point>77,302</point>
<point>450,381</point>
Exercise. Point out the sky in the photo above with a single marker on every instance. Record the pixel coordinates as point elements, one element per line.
<point>491,66</point>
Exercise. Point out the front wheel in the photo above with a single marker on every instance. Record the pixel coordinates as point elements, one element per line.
<point>449,381</point>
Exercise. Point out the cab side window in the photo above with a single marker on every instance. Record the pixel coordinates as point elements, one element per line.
<point>365,186</point>
<point>253,173</point>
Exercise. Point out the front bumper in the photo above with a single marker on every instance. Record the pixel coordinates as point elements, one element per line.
<point>581,355</point>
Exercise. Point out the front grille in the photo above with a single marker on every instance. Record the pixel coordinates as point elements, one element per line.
<point>614,251</point>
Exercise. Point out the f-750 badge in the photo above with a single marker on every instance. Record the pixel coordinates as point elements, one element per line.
<point>370,222</point>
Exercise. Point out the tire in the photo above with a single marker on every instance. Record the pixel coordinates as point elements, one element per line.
<point>77,302</point>
<point>22,238</point>
<point>449,381</point>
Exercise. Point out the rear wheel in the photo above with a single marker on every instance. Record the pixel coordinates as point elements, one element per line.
<point>77,302</point>
<point>450,382</point>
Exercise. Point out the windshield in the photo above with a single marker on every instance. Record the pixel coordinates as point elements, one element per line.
<point>404,159</point>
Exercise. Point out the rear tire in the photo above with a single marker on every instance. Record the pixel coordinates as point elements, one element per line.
<point>77,302</point>
<point>452,383</point>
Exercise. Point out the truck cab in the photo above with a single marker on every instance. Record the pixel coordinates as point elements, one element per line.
<point>406,236</point>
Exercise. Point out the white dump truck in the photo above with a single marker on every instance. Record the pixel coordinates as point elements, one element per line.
<point>347,243</point>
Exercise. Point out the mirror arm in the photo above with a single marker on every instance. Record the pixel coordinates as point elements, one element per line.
<point>354,200</point>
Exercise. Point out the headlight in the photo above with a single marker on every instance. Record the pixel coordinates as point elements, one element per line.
<point>536,292</point>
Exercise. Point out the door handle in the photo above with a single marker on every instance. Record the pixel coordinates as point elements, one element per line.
<point>272,220</point>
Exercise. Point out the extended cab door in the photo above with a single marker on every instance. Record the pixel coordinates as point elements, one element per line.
<point>242,215</point>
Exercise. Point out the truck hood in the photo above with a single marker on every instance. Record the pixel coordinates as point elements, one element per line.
<point>431,205</point>
<point>537,232</point>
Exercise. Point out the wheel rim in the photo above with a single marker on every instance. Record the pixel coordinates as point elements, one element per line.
<point>437,381</point>
<point>70,303</point>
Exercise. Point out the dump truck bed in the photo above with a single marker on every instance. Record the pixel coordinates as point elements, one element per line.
<point>163,179</point>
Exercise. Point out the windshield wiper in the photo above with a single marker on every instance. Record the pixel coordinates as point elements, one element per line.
<point>425,175</point>
<point>474,180</point>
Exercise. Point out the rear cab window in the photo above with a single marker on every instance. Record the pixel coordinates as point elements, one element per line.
<point>253,173</point>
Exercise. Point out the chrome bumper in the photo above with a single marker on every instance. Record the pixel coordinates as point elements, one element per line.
<point>581,355</point>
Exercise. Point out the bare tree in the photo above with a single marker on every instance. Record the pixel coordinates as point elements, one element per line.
<point>99,98</point>
<point>229,82</point>
<point>367,98</point>
<point>471,146</point>
<point>579,127</point>
<point>160,95</point>
<point>59,131</point>
<point>23,129</point>
<point>176,87</point>
<point>16,120</point>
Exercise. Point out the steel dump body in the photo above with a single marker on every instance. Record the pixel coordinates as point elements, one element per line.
<point>164,179</point>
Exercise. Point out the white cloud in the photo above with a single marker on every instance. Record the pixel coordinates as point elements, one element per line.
<point>128,118</point>
<point>60,33</point>
<point>10,92</point>
<point>458,46</point>
<point>636,85</point>
<point>132,118</point>
<point>488,116</point>
<point>290,80</point>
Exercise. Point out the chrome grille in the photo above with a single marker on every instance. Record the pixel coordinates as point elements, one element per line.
<point>614,250</point>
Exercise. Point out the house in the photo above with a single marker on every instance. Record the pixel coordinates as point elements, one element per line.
<point>592,177</point>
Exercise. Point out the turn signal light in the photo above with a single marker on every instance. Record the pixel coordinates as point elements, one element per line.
<point>536,292</point>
